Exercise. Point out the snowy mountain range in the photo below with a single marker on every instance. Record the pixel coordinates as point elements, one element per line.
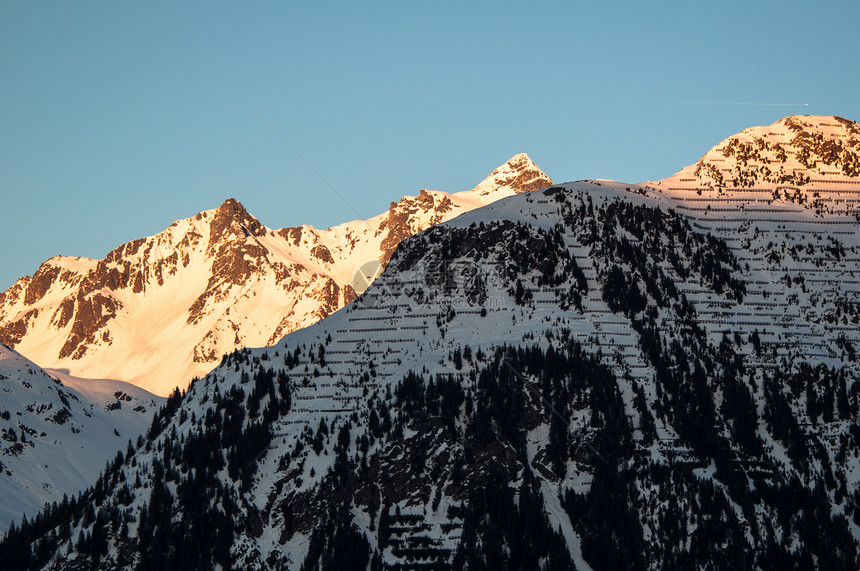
<point>58,432</point>
<point>593,375</point>
<point>158,311</point>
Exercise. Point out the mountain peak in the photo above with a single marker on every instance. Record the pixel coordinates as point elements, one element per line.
<point>232,215</point>
<point>519,174</point>
<point>232,208</point>
<point>800,153</point>
<point>520,161</point>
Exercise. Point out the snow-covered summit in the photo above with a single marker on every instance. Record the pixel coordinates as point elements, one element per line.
<point>519,174</point>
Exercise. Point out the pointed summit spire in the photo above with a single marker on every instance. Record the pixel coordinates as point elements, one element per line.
<point>232,214</point>
<point>232,208</point>
<point>519,174</point>
<point>520,160</point>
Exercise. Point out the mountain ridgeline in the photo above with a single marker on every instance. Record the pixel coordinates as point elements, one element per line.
<point>158,311</point>
<point>585,376</point>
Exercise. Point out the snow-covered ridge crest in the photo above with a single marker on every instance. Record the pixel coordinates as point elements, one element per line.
<point>158,311</point>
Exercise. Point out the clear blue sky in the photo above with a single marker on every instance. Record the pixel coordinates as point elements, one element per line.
<point>117,118</point>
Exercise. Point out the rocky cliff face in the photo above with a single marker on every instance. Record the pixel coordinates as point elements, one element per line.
<point>158,311</point>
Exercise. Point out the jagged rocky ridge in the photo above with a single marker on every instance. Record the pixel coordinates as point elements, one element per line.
<point>583,376</point>
<point>158,311</point>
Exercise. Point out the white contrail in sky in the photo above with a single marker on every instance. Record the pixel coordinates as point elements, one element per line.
<point>581,133</point>
<point>742,103</point>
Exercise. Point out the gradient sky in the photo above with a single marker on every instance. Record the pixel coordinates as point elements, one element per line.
<point>117,118</point>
